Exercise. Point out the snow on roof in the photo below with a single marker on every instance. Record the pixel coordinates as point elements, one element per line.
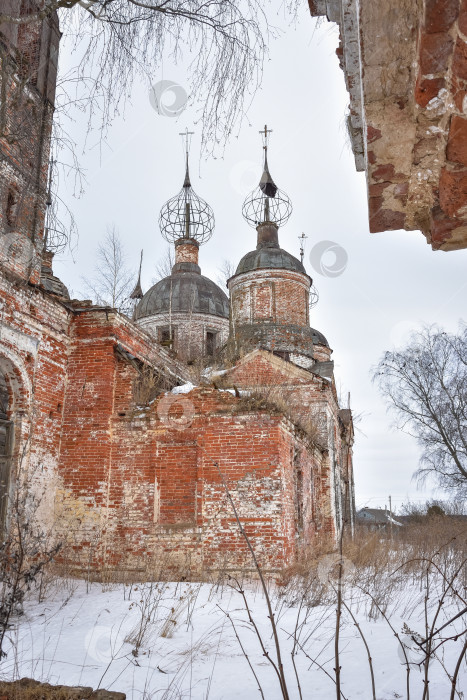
<point>183,389</point>
<point>376,515</point>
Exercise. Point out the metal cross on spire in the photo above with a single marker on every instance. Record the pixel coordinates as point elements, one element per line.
<point>302,240</point>
<point>267,184</point>
<point>267,204</point>
<point>186,136</point>
<point>55,236</point>
<point>265,134</point>
<point>186,215</point>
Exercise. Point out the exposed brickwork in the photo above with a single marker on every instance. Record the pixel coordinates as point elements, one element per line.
<point>405,64</point>
<point>129,473</point>
<point>28,65</point>
<point>176,495</point>
<point>128,486</point>
<point>186,251</point>
<point>457,143</point>
<point>278,296</point>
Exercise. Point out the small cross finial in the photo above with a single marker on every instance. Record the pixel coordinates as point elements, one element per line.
<point>302,240</point>
<point>265,134</point>
<point>186,135</point>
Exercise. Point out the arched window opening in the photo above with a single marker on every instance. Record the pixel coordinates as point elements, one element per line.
<point>12,206</point>
<point>211,343</point>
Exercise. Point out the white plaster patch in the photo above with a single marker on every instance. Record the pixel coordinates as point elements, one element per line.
<point>301,360</point>
<point>19,340</point>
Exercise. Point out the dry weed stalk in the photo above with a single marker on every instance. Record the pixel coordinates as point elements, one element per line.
<point>278,400</point>
<point>277,665</point>
<point>26,549</point>
<point>148,384</point>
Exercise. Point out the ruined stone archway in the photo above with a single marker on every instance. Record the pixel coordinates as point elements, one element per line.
<point>14,400</point>
<point>6,444</point>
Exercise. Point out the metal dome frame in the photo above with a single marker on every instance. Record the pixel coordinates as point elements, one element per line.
<point>267,203</point>
<point>186,216</point>
<point>55,235</point>
<point>259,208</point>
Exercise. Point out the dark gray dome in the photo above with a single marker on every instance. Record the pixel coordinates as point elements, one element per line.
<point>318,338</point>
<point>190,292</point>
<point>269,257</point>
<point>52,284</point>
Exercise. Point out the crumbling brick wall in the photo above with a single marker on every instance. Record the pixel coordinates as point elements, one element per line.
<point>405,67</point>
<point>28,68</point>
<point>163,498</point>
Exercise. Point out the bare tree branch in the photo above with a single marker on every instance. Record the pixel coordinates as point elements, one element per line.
<point>426,386</point>
<point>113,280</point>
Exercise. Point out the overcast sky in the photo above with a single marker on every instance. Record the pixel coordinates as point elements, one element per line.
<point>391,282</point>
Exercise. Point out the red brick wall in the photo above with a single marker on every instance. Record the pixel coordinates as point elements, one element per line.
<point>165,496</point>
<point>279,296</point>
<point>186,251</point>
<point>124,485</point>
<point>28,59</point>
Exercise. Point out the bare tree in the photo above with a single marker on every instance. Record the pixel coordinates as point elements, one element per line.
<point>225,271</point>
<point>426,385</point>
<point>164,266</point>
<point>119,40</point>
<point>113,281</point>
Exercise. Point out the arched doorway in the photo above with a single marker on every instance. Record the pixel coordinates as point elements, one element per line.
<point>6,441</point>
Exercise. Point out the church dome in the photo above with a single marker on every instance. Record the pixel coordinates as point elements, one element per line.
<point>184,291</point>
<point>318,338</point>
<point>269,258</point>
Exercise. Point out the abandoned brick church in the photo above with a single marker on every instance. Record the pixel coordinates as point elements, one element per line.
<point>129,429</point>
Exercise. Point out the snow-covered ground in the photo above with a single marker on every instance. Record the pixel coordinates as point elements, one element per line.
<point>87,635</point>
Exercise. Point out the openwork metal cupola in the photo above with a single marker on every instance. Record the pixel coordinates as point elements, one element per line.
<point>55,235</point>
<point>267,203</point>
<point>186,215</point>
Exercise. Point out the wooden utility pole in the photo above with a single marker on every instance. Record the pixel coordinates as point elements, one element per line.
<point>390,516</point>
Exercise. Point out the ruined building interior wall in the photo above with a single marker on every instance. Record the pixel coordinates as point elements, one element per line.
<point>405,67</point>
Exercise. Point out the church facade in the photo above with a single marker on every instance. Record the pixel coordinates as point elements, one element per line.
<point>133,448</point>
